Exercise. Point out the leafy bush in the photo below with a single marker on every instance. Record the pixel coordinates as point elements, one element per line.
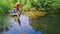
<point>5,6</point>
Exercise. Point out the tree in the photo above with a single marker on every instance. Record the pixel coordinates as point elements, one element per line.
<point>43,4</point>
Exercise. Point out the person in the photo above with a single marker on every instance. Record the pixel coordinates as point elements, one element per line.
<point>17,7</point>
<point>18,11</point>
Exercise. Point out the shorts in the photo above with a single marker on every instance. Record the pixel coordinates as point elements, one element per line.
<point>17,9</point>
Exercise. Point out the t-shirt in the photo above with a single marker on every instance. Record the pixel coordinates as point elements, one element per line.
<point>17,5</point>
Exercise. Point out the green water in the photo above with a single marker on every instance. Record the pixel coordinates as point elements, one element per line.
<point>48,24</point>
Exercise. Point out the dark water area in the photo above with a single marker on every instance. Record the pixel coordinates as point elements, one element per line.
<point>48,24</point>
<point>24,28</point>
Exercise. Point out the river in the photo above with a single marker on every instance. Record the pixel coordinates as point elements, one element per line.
<point>24,28</point>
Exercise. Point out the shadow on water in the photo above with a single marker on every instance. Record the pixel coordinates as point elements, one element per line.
<point>24,28</point>
<point>48,24</point>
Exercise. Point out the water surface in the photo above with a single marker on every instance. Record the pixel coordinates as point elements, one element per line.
<point>24,28</point>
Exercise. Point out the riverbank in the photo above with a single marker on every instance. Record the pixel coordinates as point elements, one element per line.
<point>34,14</point>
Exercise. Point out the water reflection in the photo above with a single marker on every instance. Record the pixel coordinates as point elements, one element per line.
<point>24,28</point>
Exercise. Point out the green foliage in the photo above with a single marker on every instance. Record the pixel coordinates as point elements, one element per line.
<point>43,4</point>
<point>25,4</point>
<point>56,4</point>
<point>5,6</point>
